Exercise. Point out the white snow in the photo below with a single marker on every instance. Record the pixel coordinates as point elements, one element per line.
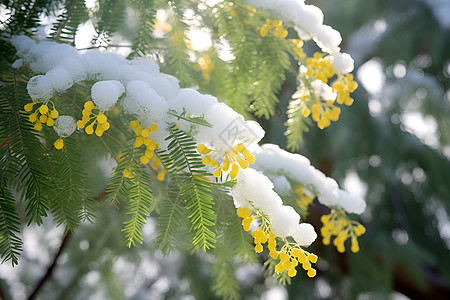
<point>282,185</point>
<point>304,234</point>
<point>40,88</point>
<point>194,102</point>
<point>60,79</point>
<point>150,105</point>
<point>64,126</point>
<point>106,93</point>
<point>307,20</point>
<point>253,188</point>
<point>270,158</point>
<point>342,63</point>
<point>323,90</point>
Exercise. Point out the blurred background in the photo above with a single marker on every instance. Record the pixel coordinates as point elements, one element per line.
<point>392,147</point>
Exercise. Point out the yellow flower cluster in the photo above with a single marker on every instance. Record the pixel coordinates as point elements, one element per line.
<point>319,67</point>
<point>298,48</point>
<point>304,200</point>
<point>142,138</point>
<point>231,159</point>
<point>344,85</point>
<point>246,214</point>
<point>251,10</point>
<point>338,224</point>
<point>127,173</point>
<point>290,254</point>
<point>206,66</point>
<point>323,111</point>
<point>279,30</point>
<point>156,164</point>
<point>42,114</point>
<point>233,11</point>
<point>91,118</point>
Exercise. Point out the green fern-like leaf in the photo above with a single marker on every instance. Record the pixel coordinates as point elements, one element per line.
<point>110,15</point>
<point>172,219</point>
<point>65,27</point>
<point>8,165</point>
<point>143,42</point>
<point>139,202</point>
<point>24,146</point>
<point>177,55</point>
<point>242,241</point>
<point>25,15</point>
<point>225,283</point>
<point>194,187</point>
<point>119,185</point>
<point>270,75</point>
<point>296,125</point>
<point>70,204</point>
<point>10,243</point>
<point>239,33</point>
<point>239,241</point>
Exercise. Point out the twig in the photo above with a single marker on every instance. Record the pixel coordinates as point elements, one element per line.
<point>73,102</point>
<point>69,15</point>
<point>109,46</point>
<point>50,269</point>
<point>109,150</point>
<point>113,138</point>
<point>7,141</point>
<point>99,246</point>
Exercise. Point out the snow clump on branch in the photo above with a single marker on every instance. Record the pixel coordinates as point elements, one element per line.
<point>308,22</point>
<point>270,158</point>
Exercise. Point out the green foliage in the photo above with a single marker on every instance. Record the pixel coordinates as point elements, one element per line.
<point>70,203</point>
<point>177,56</point>
<point>10,243</point>
<point>195,188</point>
<point>25,15</point>
<point>225,282</point>
<point>232,242</point>
<point>65,28</point>
<point>143,42</point>
<point>135,191</point>
<point>140,200</point>
<point>109,20</point>
<point>241,34</point>
<point>24,147</point>
<point>296,125</point>
<point>119,185</point>
<point>270,75</point>
<point>172,227</point>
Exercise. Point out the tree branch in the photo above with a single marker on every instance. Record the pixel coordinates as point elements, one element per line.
<point>50,269</point>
